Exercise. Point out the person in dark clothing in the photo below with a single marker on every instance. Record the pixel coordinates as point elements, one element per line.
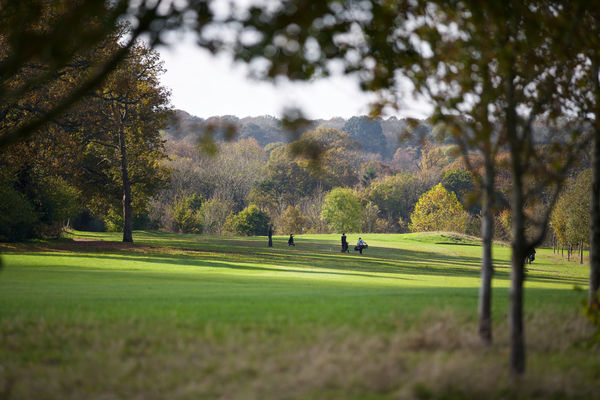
<point>531,256</point>
<point>270,235</point>
<point>291,241</point>
<point>344,244</point>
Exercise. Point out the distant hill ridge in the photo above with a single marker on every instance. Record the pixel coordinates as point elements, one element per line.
<point>378,136</point>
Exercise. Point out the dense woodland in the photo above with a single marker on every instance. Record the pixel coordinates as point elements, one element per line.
<point>367,178</point>
<point>383,175</point>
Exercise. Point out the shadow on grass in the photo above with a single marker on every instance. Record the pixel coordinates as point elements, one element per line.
<point>389,261</point>
<point>238,253</point>
<point>230,264</point>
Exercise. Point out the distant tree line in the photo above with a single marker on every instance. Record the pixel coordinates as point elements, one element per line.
<point>377,136</point>
<point>346,189</point>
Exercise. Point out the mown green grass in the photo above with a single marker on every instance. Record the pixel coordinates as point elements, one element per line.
<point>188,316</point>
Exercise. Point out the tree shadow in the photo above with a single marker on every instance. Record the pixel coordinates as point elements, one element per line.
<point>190,261</point>
<point>307,257</point>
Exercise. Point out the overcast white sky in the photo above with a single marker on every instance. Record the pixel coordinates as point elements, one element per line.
<point>206,86</point>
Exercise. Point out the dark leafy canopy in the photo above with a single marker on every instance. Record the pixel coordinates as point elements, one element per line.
<point>132,106</point>
<point>81,149</point>
<point>44,38</point>
<point>460,182</point>
<point>299,38</point>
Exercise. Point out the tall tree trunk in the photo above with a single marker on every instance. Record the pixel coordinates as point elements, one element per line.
<point>127,212</point>
<point>517,342</point>
<point>487,267</point>
<point>595,200</point>
<point>595,217</point>
<point>581,252</point>
<point>518,243</point>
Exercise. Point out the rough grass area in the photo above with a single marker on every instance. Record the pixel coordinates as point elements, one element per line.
<point>195,317</point>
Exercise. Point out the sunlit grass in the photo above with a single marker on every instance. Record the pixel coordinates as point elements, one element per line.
<point>192,316</point>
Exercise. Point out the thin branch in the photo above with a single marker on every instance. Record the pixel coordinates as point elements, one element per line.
<point>114,146</point>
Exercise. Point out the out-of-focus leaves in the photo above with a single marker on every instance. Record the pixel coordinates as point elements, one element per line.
<point>294,122</point>
<point>50,35</point>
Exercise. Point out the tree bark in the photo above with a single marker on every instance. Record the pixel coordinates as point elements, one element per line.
<point>518,243</point>
<point>127,211</point>
<point>487,268</point>
<point>517,342</point>
<point>595,196</point>
<point>595,218</point>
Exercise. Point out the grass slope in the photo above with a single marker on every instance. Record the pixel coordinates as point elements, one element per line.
<point>188,316</point>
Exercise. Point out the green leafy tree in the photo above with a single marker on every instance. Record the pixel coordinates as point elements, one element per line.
<point>369,173</point>
<point>109,145</point>
<point>251,221</point>
<point>187,216</point>
<point>56,201</point>
<point>438,210</point>
<point>578,226</point>
<point>342,210</point>
<point>35,200</point>
<point>17,215</point>
<point>570,219</point>
<point>395,196</point>
<point>123,146</point>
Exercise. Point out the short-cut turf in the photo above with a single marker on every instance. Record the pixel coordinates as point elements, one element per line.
<point>63,300</point>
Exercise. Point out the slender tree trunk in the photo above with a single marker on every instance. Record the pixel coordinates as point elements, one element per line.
<point>595,200</point>
<point>487,267</point>
<point>581,252</point>
<point>519,243</point>
<point>517,341</point>
<point>569,252</point>
<point>595,218</point>
<point>127,211</point>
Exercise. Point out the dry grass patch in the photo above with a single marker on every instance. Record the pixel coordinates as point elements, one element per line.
<point>437,357</point>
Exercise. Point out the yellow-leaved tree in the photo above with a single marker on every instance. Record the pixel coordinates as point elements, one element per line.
<point>438,210</point>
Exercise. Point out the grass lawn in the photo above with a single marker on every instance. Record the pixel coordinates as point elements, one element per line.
<point>188,317</point>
